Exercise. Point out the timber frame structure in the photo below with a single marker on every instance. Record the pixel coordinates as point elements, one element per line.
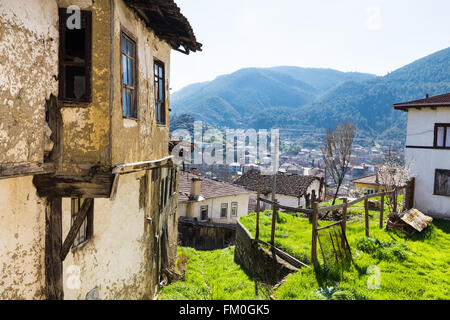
<point>89,144</point>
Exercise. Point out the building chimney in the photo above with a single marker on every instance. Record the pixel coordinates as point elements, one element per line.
<point>196,185</point>
<point>426,97</point>
<point>364,169</point>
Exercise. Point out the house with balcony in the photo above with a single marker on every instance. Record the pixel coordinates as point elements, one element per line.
<point>427,152</point>
<point>87,185</point>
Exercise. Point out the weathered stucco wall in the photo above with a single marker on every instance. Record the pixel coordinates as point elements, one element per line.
<point>114,259</point>
<point>85,136</point>
<point>28,76</point>
<point>142,139</point>
<point>22,240</point>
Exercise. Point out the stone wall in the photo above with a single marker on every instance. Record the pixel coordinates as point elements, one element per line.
<point>205,236</point>
<point>257,261</point>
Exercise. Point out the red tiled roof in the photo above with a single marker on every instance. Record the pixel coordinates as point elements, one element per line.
<point>436,101</point>
<point>209,188</point>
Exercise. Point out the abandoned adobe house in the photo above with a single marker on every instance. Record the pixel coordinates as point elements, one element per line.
<point>428,152</point>
<point>292,190</point>
<point>87,186</point>
<point>208,211</point>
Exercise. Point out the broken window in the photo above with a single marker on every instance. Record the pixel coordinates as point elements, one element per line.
<point>442,182</point>
<point>160,93</point>
<point>234,209</point>
<point>204,213</point>
<point>86,229</point>
<point>129,77</point>
<point>224,210</point>
<point>442,135</point>
<point>75,61</point>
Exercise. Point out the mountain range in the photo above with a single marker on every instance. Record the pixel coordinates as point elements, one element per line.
<point>302,100</point>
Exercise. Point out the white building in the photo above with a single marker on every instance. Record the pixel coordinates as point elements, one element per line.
<point>204,199</point>
<point>428,152</point>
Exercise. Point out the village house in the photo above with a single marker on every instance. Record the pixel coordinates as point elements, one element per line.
<point>87,185</point>
<point>369,184</point>
<point>203,199</point>
<point>208,211</point>
<point>427,152</point>
<point>292,190</point>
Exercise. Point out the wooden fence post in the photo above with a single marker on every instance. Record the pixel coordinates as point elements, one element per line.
<point>257,210</point>
<point>344,222</point>
<point>381,211</point>
<point>366,211</point>
<point>314,234</point>
<point>394,196</point>
<point>274,221</point>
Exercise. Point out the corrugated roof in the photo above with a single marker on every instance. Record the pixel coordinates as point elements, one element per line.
<point>166,20</point>
<point>209,188</point>
<point>288,184</point>
<point>442,100</point>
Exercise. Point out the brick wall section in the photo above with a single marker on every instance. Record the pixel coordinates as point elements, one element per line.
<point>257,261</point>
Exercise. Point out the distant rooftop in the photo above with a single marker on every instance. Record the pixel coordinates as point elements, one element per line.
<point>442,100</point>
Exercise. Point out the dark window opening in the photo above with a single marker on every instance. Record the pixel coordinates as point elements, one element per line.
<point>224,210</point>
<point>75,62</point>
<point>442,182</point>
<point>160,92</point>
<point>86,229</point>
<point>129,79</point>
<point>204,213</point>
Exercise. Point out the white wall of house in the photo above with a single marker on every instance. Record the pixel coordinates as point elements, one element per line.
<point>291,201</point>
<point>424,162</point>
<point>214,206</point>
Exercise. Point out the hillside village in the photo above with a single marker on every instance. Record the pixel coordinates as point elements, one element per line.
<point>98,186</point>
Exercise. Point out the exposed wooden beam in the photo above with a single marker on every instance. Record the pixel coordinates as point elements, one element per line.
<point>53,241</point>
<point>25,169</point>
<point>87,204</point>
<point>140,166</point>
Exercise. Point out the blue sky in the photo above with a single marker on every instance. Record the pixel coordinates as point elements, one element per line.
<point>373,36</point>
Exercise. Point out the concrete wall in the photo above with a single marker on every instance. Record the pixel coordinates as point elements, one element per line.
<point>28,66</point>
<point>205,236</point>
<point>22,240</point>
<point>423,162</point>
<point>192,209</point>
<point>143,139</point>
<point>257,261</point>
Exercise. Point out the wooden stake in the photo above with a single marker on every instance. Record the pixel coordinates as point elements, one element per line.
<point>394,196</point>
<point>381,212</point>
<point>257,209</point>
<point>314,234</point>
<point>274,221</point>
<point>366,210</point>
<point>344,221</point>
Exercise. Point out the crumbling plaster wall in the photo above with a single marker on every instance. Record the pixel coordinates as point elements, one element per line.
<point>142,139</point>
<point>86,126</point>
<point>28,76</point>
<point>114,260</point>
<point>22,240</point>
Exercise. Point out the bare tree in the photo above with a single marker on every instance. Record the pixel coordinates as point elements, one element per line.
<point>336,153</point>
<point>392,174</point>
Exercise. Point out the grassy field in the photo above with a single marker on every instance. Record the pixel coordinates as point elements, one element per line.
<point>409,268</point>
<point>212,275</point>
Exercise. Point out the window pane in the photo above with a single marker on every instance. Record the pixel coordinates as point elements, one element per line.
<point>125,102</point>
<point>130,72</point>
<point>124,69</point>
<point>161,88</point>
<point>75,82</point>
<point>129,103</point>
<point>156,70</point>
<point>75,45</point>
<point>447,142</point>
<point>440,136</point>
<point>124,44</point>
<point>130,49</point>
<point>161,73</point>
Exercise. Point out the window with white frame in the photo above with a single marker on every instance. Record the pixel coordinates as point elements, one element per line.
<point>224,210</point>
<point>234,209</point>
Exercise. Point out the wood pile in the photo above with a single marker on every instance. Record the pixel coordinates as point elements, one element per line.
<point>408,222</point>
